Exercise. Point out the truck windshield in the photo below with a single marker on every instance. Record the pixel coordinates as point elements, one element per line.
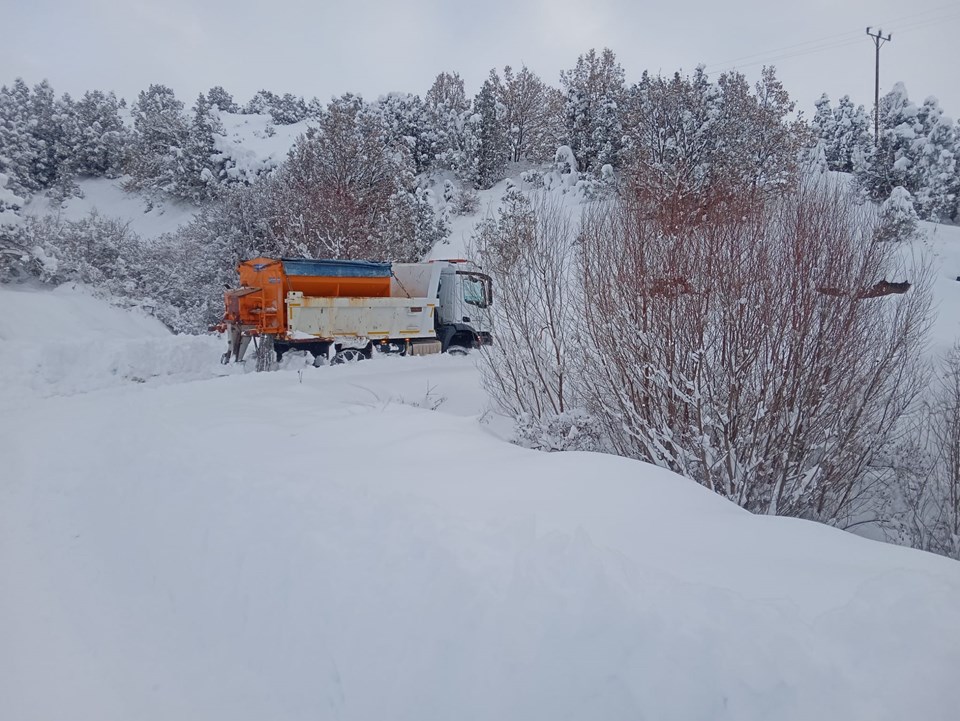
<point>476,289</point>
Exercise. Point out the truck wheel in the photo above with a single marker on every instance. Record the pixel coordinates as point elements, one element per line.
<point>458,350</point>
<point>348,355</point>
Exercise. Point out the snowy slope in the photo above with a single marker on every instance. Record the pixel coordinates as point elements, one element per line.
<point>254,144</point>
<point>109,200</point>
<point>941,243</point>
<point>251,144</point>
<point>67,341</point>
<point>313,545</point>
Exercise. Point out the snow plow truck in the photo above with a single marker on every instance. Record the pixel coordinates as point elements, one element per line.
<point>345,310</point>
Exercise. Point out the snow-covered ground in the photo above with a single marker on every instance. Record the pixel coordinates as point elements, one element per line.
<point>941,245</point>
<point>319,543</point>
<point>108,199</point>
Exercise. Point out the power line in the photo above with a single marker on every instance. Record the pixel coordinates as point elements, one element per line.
<point>832,42</point>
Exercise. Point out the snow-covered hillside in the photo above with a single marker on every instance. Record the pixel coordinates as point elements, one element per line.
<point>319,543</point>
<point>251,144</point>
<point>108,199</point>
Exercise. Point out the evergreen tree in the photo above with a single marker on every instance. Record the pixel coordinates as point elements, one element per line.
<point>851,135</point>
<point>898,219</point>
<point>17,148</point>
<point>934,165</point>
<point>887,165</point>
<point>824,125</point>
<point>161,132</point>
<point>285,110</point>
<point>222,99</point>
<point>447,109</point>
<point>405,118</point>
<point>203,164</point>
<point>102,136</point>
<point>673,147</point>
<point>486,143</point>
<point>38,135</point>
<point>594,97</point>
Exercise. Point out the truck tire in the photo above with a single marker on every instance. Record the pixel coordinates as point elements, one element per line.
<point>348,355</point>
<point>458,350</point>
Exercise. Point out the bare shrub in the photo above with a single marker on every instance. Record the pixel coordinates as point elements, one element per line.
<point>922,491</point>
<point>747,351</point>
<point>528,249</point>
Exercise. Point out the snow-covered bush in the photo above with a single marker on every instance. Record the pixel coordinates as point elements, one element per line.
<point>461,200</point>
<point>571,430</point>
<point>898,219</point>
<point>748,351</point>
<point>527,248</point>
<point>919,475</point>
<point>96,251</point>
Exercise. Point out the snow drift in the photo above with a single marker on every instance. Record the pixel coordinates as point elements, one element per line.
<point>320,544</point>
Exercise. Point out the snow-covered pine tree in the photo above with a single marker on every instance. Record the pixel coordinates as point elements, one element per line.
<point>102,137</point>
<point>672,141</point>
<point>202,169</point>
<point>260,103</point>
<point>289,109</point>
<point>10,204</point>
<point>405,117</point>
<point>486,143</point>
<point>898,219</point>
<point>53,124</point>
<point>934,165</point>
<point>160,135</point>
<point>285,110</point>
<point>824,125</point>
<point>594,96</point>
<point>887,165</point>
<point>762,146</point>
<point>19,148</point>
<point>447,109</point>
<point>851,135</point>
<point>222,99</point>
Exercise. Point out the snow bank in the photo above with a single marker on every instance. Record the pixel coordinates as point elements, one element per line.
<point>318,544</point>
<point>68,341</point>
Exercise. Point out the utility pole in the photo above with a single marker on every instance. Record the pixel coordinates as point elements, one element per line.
<point>878,41</point>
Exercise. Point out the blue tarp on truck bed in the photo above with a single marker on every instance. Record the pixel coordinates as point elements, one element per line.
<point>336,268</point>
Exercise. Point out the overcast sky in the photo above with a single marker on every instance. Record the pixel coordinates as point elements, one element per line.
<point>371,47</point>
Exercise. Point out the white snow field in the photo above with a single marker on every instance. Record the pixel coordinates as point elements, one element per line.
<point>318,543</point>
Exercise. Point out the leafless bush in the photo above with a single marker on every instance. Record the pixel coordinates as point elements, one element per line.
<point>748,351</point>
<point>922,495</point>
<point>528,249</point>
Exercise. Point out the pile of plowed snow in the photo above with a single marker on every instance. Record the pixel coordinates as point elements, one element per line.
<point>321,544</point>
<point>68,341</point>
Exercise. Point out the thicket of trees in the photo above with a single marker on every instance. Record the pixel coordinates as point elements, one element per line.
<point>917,149</point>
